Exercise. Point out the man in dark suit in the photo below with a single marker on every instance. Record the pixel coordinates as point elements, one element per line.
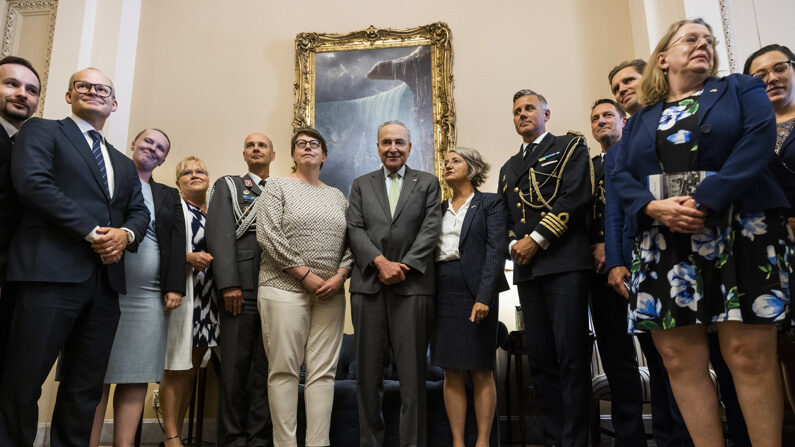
<point>82,207</point>
<point>608,307</point>
<point>232,240</point>
<point>394,219</point>
<point>547,190</point>
<point>19,99</point>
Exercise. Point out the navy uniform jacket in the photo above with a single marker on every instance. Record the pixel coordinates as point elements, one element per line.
<point>170,230</point>
<point>481,247</point>
<point>569,195</point>
<point>736,134</point>
<point>597,229</point>
<point>235,261</point>
<point>9,202</point>
<point>64,198</point>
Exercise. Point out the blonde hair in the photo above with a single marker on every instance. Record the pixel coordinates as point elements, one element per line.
<point>189,160</point>
<point>654,86</point>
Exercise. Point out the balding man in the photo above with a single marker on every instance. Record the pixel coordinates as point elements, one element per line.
<point>232,240</point>
<point>82,207</point>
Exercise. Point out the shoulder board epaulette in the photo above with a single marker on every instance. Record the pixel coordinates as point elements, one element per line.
<point>575,133</point>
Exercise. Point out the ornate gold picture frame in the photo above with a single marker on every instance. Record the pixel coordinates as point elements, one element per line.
<point>348,84</point>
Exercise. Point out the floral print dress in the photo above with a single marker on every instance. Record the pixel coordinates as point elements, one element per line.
<point>733,272</point>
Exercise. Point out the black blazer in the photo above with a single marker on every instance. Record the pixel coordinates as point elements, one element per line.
<point>9,202</point>
<point>170,230</point>
<point>786,177</point>
<point>63,197</point>
<point>484,236</point>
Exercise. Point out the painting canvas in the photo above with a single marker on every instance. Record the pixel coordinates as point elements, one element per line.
<point>352,88</point>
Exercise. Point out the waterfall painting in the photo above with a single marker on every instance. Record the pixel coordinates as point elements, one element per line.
<point>349,84</point>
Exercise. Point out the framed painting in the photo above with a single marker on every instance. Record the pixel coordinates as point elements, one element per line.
<point>348,84</point>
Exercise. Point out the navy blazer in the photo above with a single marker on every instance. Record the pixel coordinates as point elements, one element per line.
<point>618,243</point>
<point>736,133</point>
<point>481,247</point>
<point>170,231</point>
<point>63,197</point>
<point>9,203</point>
<point>785,177</point>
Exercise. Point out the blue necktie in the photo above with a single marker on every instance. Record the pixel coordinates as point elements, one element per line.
<point>97,151</point>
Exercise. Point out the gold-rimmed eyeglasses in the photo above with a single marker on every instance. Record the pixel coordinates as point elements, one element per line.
<point>692,40</point>
<point>781,69</point>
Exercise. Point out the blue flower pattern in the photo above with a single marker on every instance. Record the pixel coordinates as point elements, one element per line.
<point>710,243</point>
<point>682,278</point>
<point>753,224</point>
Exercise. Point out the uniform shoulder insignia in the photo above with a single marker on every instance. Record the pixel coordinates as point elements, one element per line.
<point>575,133</point>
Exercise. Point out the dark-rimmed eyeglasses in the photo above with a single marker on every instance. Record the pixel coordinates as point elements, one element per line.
<point>83,87</point>
<point>779,68</point>
<point>314,144</point>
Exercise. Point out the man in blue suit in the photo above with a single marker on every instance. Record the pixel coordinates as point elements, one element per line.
<point>82,208</point>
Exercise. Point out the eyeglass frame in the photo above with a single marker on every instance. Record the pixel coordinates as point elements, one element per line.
<point>789,64</point>
<point>699,37</point>
<point>301,144</point>
<point>94,87</point>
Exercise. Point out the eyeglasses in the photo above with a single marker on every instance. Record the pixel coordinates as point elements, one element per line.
<point>193,172</point>
<point>780,69</point>
<point>102,90</point>
<point>692,40</point>
<point>314,144</point>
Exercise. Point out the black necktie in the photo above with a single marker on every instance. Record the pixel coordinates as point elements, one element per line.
<point>529,149</point>
<point>262,183</point>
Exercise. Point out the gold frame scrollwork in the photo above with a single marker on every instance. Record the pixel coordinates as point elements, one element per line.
<point>436,35</point>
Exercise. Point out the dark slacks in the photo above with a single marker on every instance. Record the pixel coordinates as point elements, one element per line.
<point>6,312</point>
<point>244,378</point>
<point>556,326</point>
<point>617,351</point>
<point>79,318</point>
<point>381,321</point>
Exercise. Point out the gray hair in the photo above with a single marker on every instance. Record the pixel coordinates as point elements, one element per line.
<point>477,167</point>
<point>528,92</point>
<point>399,123</point>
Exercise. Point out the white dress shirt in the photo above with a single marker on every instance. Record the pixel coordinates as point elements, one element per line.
<point>10,129</point>
<point>449,239</point>
<point>535,235</point>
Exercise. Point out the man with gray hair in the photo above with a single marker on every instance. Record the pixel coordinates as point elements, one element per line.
<point>394,219</point>
<point>547,191</point>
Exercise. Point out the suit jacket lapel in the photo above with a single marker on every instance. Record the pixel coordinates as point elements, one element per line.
<point>4,138</point>
<point>516,164</point>
<point>256,190</point>
<point>710,95</point>
<point>72,132</point>
<point>409,182</point>
<point>650,119</point>
<point>158,195</point>
<point>785,147</point>
<point>379,186</point>
<point>474,207</point>
<point>116,160</point>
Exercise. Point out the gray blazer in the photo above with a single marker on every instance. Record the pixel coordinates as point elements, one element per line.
<point>235,262</point>
<point>409,237</point>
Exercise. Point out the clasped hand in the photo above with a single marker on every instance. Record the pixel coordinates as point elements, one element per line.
<point>110,244</point>
<point>677,213</point>
<point>523,250</point>
<point>390,272</point>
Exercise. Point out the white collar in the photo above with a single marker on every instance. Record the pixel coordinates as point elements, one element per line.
<point>400,172</point>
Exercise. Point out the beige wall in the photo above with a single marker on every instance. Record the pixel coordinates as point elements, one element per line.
<point>208,73</point>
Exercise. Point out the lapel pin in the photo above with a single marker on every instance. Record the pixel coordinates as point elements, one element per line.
<point>713,90</point>
<point>248,182</point>
<point>414,179</point>
<point>245,191</point>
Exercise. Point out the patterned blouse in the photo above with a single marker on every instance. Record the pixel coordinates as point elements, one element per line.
<point>300,224</point>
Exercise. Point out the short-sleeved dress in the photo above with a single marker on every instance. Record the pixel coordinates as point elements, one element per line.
<point>730,272</point>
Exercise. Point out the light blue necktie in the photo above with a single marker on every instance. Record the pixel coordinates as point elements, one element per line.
<point>97,151</point>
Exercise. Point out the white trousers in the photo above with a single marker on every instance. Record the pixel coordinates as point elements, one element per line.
<point>297,329</point>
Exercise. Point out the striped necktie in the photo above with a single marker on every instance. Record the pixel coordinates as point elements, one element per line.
<point>96,137</point>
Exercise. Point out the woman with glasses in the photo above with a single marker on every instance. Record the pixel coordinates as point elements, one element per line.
<point>305,261</point>
<point>775,66</point>
<point>711,241</point>
<point>194,325</point>
<point>155,276</point>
